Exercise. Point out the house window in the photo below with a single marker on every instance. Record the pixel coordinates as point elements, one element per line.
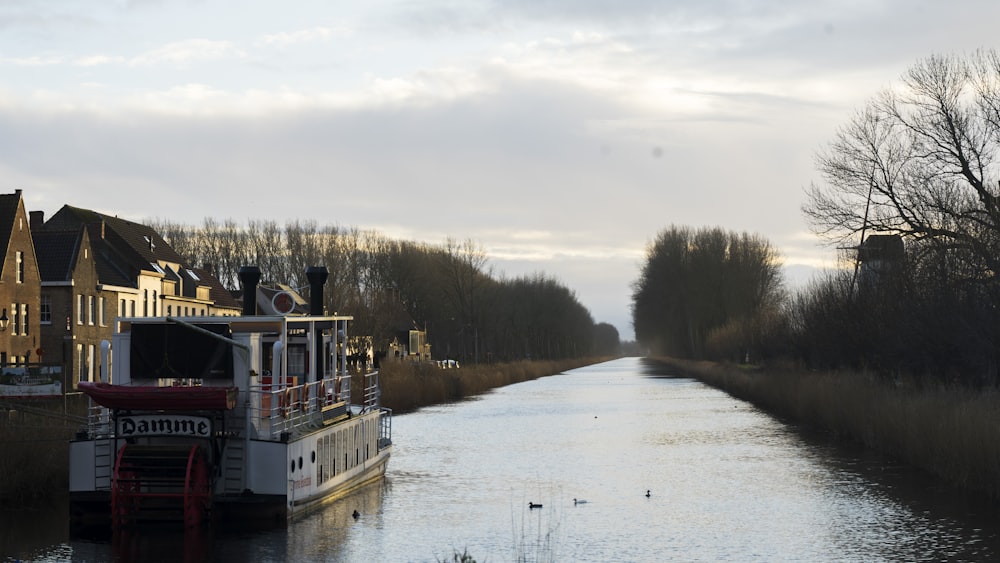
<point>79,309</point>
<point>20,266</point>
<point>91,310</point>
<point>80,361</point>
<point>15,323</point>
<point>102,311</point>
<point>145,302</point>
<point>24,319</point>
<point>91,364</point>
<point>155,304</point>
<point>133,307</point>
<point>121,307</point>
<point>45,310</point>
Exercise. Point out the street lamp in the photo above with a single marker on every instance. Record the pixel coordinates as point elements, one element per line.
<point>4,320</point>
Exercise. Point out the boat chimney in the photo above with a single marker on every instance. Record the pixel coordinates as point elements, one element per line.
<point>249,277</point>
<point>317,279</point>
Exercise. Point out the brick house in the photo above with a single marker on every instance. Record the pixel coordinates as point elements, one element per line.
<point>77,311</point>
<point>19,285</point>
<point>98,267</point>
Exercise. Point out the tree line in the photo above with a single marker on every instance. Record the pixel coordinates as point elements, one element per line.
<point>470,313</point>
<point>911,196</point>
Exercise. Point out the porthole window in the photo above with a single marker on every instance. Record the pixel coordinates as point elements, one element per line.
<point>300,462</point>
<point>293,466</point>
<point>314,457</point>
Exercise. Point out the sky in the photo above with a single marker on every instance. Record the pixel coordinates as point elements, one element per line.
<point>560,135</point>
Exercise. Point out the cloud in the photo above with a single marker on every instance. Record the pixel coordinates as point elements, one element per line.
<point>32,61</point>
<point>313,35</point>
<point>189,50</point>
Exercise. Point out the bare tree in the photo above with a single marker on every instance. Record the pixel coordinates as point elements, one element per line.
<point>920,161</point>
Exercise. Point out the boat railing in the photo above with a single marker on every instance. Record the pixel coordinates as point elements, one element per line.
<point>384,428</point>
<point>99,421</point>
<point>372,391</point>
<point>278,410</point>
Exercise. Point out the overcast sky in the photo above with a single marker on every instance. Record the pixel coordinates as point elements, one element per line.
<point>561,135</point>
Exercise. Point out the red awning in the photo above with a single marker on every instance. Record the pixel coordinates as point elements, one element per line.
<point>139,397</point>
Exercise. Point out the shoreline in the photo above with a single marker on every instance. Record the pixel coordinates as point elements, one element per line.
<point>951,432</point>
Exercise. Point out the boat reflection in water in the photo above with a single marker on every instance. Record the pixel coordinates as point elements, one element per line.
<point>305,538</point>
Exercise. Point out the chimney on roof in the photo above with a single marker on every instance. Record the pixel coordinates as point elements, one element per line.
<point>317,279</point>
<point>250,277</point>
<point>17,192</point>
<point>36,219</point>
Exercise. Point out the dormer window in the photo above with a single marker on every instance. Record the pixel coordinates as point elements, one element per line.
<point>157,268</point>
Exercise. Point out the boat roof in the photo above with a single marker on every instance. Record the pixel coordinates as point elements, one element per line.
<point>246,323</point>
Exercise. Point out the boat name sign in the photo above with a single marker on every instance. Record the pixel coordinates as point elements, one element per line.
<point>164,425</point>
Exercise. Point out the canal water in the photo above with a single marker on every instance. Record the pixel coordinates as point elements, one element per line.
<point>725,482</point>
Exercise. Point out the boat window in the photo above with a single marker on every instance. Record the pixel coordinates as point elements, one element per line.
<point>172,350</point>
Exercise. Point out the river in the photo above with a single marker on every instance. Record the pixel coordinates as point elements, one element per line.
<point>726,482</point>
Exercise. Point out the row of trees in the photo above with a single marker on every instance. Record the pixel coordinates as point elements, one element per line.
<point>919,161</point>
<point>917,165</point>
<point>705,293</point>
<point>389,285</point>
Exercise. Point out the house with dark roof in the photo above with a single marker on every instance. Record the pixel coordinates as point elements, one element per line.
<point>19,285</point>
<point>77,312</point>
<point>96,268</point>
<point>134,256</point>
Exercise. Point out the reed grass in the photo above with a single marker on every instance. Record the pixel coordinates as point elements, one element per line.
<point>949,431</point>
<point>408,386</point>
<point>34,452</point>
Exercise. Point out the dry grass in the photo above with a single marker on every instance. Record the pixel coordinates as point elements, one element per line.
<point>408,386</point>
<point>949,431</point>
<point>34,452</point>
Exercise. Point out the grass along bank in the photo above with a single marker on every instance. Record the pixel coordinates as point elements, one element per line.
<point>949,431</point>
<point>408,386</point>
<point>34,448</point>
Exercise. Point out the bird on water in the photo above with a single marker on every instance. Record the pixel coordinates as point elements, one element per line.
<point>647,493</point>
<point>356,515</point>
<point>579,501</point>
<point>533,505</point>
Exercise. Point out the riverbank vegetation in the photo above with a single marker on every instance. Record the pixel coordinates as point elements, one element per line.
<point>407,386</point>
<point>900,347</point>
<point>951,431</point>
<point>34,448</point>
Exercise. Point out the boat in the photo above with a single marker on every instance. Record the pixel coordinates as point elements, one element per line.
<point>226,420</point>
<point>30,382</point>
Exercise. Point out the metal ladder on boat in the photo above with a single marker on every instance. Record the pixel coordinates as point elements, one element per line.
<point>234,457</point>
<point>103,463</point>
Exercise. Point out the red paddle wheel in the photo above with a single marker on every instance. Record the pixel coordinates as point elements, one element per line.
<point>160,484</point>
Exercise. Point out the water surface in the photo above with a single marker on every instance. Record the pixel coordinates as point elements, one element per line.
<point>726,482</point>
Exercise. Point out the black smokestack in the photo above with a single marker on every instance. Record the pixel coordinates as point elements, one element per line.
<point>317,279</point>
<point>249,277</point>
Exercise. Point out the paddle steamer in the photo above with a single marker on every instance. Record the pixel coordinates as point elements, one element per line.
<point>225,419</point>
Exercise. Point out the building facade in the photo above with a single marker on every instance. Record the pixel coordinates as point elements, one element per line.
<point>20,288</point>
